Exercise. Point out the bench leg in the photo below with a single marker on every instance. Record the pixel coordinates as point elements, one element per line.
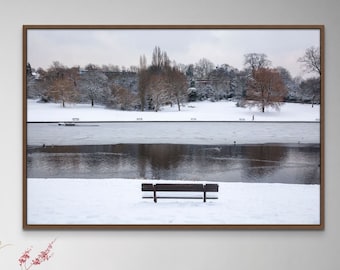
<point>204,196</point>
<point>154,194</point>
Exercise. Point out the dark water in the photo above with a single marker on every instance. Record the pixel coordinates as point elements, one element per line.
<point>264,163</point>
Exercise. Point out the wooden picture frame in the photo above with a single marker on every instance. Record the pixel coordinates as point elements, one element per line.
<point>173,127</point>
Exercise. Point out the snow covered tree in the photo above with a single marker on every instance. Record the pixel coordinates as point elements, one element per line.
<point>223,82</point>
<point>238,84</point>
<point>311,60</point>
<point>37,86</point>
<point>161,83</point>
<point>292,86</point>
<point>29,69</point>
<point>32,89</point>
<point>265,89</point>
<point>252,62</point>
<point>62,83</point>
<point>203,68</point>
<point>93,85</point>
<point>153,84</point>
<point>178,86</point>
<point>121,98</point>
<point>311,89</point>
<point>158,91</point>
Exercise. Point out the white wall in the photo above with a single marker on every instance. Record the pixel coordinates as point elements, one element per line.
<point>138,249</point>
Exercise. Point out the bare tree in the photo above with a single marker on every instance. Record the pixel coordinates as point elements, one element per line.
<point>160,59</point>
<point>121,98</point>
<point>202,68</point>
<point>91,67</point>
<point>178,86</point>
<point>255,61</point>
<point>161,83</point>
<point>158,88</point>
<point>62,83</point>
<point>143,81</point>
<point>311,60</point>
<point>265,89</point>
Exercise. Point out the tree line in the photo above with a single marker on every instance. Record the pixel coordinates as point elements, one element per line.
<point>164,82</point>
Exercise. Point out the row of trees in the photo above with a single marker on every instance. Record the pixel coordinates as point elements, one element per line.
<point>161,83</point>
<point>148,87</point>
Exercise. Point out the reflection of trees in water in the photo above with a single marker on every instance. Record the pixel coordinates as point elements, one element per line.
<point>68,160</point>
<point>286,164</point>
<point>215,156</point>
<point>309,175</point>
<point>249,163</point>
<point>262,160</point>
<point>309,168</point>
<point>162,158</point>
<point>63,161</point>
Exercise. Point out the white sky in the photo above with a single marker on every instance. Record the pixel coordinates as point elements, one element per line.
<point>124,47</point>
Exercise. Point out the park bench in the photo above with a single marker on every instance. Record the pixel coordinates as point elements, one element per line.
<point>178,191</point>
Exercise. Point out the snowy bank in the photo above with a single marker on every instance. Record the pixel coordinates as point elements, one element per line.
<point>195,111</point>
<point>119,201</point>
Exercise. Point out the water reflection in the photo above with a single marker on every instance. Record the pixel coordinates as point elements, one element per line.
<point>262,160</point>
<point>278,163</point>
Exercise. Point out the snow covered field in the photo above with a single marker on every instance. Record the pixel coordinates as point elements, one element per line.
<point>119,201</point>
<point>197,111</point>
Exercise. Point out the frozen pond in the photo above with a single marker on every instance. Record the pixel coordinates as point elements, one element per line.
<point>213,133</point>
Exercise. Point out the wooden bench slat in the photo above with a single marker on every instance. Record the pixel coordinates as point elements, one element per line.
<point>211,187</point>
<point>147,187</point>
<point>180,187</point>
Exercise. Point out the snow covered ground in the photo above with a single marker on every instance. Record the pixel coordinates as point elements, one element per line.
<point>197,111</point>
<point>119,201</point>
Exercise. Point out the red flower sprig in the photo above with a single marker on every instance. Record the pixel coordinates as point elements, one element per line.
<point>43,256</point>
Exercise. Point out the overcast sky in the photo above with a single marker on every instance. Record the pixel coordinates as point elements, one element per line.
<point>124,47</point>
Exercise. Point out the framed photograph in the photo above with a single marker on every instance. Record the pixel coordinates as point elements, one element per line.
<point>173,127</point>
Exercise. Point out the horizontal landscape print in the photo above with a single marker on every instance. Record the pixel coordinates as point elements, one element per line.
<point>210,127</point>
